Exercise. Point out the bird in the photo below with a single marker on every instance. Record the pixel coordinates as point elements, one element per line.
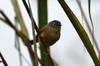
<point>49,34</point>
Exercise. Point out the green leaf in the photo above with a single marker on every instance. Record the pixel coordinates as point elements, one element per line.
<point>81,32</point>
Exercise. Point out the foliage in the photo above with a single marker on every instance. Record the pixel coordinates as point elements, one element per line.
<point>46,59</point>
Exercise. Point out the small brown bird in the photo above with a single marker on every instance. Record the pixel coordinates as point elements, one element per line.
<point>50,33</point>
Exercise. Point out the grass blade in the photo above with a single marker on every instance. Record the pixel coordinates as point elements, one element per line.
<point>81,32</point>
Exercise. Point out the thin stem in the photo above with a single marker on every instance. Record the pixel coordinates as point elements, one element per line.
<point>43,19</point>
<point>19,33</point>
<point>19,16</point>
<point>17,43</point>
<point>90,30</point>
<point>31,17</point>
<point>35,46</point>
<point>81,32</point>
<point>3,60</point>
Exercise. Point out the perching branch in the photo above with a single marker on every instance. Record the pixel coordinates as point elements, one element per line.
<point>31,17</point>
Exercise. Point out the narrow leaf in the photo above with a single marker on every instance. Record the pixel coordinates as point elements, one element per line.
<point>81,32</point>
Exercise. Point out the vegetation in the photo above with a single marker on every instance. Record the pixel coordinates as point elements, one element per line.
<point>46,59</point>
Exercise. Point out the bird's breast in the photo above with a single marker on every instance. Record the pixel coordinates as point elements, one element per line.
<point>50,36</point>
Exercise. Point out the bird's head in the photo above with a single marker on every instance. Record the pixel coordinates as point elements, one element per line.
<point>55,24</point>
